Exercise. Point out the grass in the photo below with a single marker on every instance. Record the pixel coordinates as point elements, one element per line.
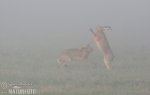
<point>129,75</point>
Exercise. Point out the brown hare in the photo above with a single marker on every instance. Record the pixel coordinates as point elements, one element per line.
<point>103,45</point>
<point>75,54</point>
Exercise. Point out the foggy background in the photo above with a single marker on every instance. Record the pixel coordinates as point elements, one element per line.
<point>34,32</point>
<point>53,23</point>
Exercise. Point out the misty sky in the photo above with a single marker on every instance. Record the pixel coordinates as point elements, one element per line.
<point>69,20</point>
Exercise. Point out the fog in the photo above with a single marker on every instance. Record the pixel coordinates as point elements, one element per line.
<point>39,30</point>
<point>57,20</point>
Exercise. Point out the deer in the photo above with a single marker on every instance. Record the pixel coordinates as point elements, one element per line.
<point>103,45</point>
<point>75,54</point>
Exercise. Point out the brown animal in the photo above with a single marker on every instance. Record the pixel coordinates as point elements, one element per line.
<point>75,54</point>
<point>103,45</point>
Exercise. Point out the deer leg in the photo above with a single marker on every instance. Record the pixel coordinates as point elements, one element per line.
<point>107,63</point>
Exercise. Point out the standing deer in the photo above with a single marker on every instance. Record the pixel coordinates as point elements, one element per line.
<point>103,45</point>
<point>75,54</point>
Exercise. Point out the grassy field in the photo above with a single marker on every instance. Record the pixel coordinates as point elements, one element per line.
<point>129,74</point>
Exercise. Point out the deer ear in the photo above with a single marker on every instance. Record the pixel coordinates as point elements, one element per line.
<point>91,30</point>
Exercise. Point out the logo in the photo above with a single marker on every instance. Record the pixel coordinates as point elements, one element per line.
<point>17,88</point>
<point>4,85</point>
<point>20,91</point>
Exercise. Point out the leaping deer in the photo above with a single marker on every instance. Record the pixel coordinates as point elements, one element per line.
<point>103,45</point>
